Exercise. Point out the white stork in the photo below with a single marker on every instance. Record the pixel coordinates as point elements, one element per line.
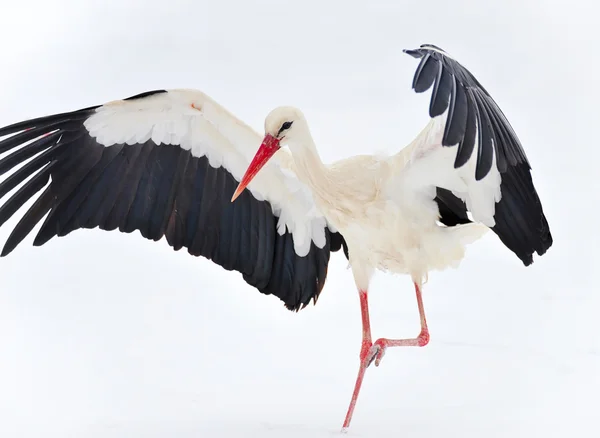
<point>167,163</point>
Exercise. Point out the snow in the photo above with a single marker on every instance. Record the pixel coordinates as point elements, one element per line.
<point>166,358</point>
<point>111,336</point>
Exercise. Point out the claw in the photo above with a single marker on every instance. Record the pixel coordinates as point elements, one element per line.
<point>380,355</point>
<point>372,355</point>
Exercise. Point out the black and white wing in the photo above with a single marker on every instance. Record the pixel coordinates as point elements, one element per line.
<point>166,163</point>
<point>472,157</point>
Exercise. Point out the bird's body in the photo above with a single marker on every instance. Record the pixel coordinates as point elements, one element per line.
<point>386,226</point>
<point>167,163</point>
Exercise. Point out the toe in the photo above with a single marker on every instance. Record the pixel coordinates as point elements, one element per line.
<point>381,346</point>
<point>373,353</point>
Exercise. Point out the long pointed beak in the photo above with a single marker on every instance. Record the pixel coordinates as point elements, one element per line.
<point>269,146</point>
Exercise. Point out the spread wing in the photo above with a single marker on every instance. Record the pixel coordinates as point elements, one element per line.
<point>166,163</point>
<point>470,160</point>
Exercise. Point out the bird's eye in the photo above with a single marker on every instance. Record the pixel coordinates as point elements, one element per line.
<point>286,125</point>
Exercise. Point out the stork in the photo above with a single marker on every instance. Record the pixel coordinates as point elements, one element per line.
<point>176,164</point>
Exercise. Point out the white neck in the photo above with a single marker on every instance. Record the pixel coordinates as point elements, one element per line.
<point>309,167</point>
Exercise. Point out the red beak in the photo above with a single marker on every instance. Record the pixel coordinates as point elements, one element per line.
<point>269,146</point>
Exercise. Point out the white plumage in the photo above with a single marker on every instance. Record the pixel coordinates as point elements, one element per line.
<point>385,205</point>
<point>167,163</point>
<point>193,121</point>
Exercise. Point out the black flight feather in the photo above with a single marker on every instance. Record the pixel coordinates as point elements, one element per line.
<point>474,121</point>
<point>158,190</point>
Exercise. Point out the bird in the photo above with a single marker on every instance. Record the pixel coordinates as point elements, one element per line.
<point>177,164</point>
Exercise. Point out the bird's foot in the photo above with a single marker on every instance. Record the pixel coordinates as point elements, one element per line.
<point>370,352</point>
<point>378,351</point>
<point>379,347</point>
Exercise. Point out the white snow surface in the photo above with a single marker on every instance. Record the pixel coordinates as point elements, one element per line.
<point>104,335</point>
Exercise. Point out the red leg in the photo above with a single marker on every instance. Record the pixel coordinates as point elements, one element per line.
<point>377,350</point>
<point>367,341</point>
<point>365,354</point>
<point>382,344</point>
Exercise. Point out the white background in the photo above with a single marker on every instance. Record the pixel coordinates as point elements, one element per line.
<point>110,335</point>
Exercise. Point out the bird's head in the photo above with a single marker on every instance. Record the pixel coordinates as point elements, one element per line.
<point>282,126</point>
